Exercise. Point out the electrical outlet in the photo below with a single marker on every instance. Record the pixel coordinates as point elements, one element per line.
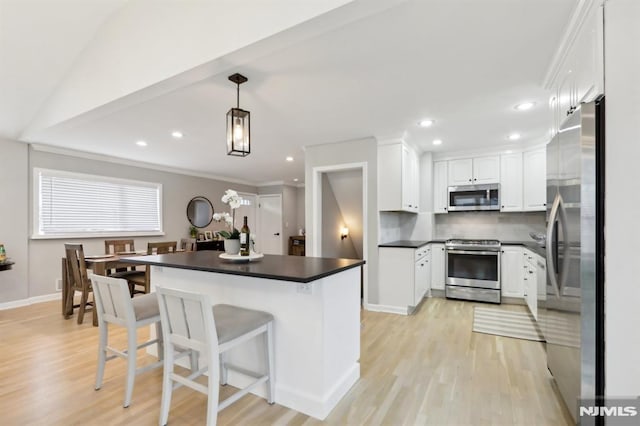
<point>304,288</point>
<point>59,285</point>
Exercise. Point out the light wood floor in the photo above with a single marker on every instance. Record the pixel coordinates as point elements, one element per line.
<point>428,368</point>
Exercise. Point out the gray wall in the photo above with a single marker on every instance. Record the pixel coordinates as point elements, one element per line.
<point>14,218</point>
<point>44,256</point>
<point>300,224</point>
<point>356,151</point>
<point>489,225</point>
<point>332,222</point>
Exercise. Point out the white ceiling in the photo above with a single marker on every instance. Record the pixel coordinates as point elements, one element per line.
<point>464,63</point>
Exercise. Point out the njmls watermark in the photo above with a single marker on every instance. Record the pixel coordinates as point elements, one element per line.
<point>617,411</point>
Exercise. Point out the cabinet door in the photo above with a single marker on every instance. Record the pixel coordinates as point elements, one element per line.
<point>407,177</point>
<point>511,182</point>
<point>486,170</point>
<point>410,180</point>
<point>440,187</point>
<point>461,172</point>
<point>511,271</point>
<point>535,180</point>
<point>532,290</point>
<point>421,277</point>
<point>437,266</point>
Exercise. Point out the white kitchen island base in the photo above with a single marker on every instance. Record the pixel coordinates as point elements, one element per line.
<point>316,331</point>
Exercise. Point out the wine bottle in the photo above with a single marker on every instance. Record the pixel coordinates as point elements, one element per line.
<point>244,239</point>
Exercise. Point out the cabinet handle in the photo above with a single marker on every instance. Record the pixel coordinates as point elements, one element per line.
<point>501,251</point>
<point>531,272</point>
<point>469,180</point>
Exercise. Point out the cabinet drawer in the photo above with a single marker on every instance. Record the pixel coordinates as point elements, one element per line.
<point>421,252</point>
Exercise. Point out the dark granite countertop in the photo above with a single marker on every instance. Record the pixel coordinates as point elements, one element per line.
<point>409,243</point>
<point>299,269</point>
<point>531,245</point>
<point>405,244</point>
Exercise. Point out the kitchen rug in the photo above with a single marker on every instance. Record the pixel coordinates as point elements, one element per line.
<point>520,325</point>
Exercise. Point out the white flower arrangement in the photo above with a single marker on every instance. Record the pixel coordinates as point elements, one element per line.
<point>234,201</point>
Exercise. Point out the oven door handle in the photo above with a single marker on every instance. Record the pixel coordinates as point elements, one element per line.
<point>480,252</point>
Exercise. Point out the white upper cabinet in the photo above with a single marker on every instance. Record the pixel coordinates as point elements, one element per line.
<point>576,74</point>
<point>535,180</point>
<point>486,170</point>
<point>440,187</point>
<point>398,178</point>
<point>511,182</point>
<point>472,171</point>
<point>461,172</point>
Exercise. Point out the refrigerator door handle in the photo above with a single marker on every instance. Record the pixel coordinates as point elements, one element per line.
<point>566,249</point>
<point>551,272</point>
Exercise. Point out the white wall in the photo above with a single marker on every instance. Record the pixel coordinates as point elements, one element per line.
<point>14,219</point>
<point>622,280</point>
<point>356,151</point>
<point>148,41</point>
<point>44,256</point>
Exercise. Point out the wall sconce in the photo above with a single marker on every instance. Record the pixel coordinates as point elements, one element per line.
<point>344,233</point>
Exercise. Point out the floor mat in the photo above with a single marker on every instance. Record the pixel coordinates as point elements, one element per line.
<point>520,325</point>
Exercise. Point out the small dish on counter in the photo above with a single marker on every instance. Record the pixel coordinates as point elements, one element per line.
<point>238,258</point>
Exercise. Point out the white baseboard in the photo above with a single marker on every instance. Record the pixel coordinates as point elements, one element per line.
<point>388,309</point>
<point>30,301</point>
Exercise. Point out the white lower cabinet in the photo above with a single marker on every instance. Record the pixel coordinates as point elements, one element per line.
<point>404,275</point>
<point>512,271</point>
<point>437,266</point>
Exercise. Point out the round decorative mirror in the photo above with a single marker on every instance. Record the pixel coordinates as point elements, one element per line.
<point>200,212</point>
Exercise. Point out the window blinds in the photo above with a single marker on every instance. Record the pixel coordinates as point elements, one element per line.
<point>79,204</point>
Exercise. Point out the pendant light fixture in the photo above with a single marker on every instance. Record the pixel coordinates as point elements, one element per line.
<point>238,128</point>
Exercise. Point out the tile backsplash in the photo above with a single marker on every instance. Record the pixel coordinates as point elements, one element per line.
<point>489,225</point>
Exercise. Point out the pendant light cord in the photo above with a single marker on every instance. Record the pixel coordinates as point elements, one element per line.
<point>238,94</point>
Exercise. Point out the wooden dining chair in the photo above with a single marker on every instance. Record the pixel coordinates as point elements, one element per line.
<point>142,284</point>
<point>78,280</point>
<point>190,323</point>
<point>130,273</point>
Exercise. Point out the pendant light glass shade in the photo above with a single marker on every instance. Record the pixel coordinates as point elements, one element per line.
<point>238,125</point>
<point>238,132</point>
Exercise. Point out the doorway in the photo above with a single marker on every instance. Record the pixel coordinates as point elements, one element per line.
<point>357,177</point>
<point>247,208</point>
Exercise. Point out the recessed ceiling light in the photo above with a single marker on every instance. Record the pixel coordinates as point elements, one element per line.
<point>437,142</point>
<point>296,179</point>
<point>508,151</point>
<point>525,106</point>
<point>141,143</point>
<point>426,123</point>
<point>514,136</point>
<point>177,134</point>
<point>289,158</point>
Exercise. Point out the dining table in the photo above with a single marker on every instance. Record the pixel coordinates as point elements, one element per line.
<point>99,264</point>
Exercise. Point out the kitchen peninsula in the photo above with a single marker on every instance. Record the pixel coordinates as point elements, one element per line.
<point>316,306</point>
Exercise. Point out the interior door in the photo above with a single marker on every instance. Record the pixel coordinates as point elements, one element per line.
<point>269,236</point>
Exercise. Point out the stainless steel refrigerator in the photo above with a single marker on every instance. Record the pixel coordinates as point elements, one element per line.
<point>572,307</point>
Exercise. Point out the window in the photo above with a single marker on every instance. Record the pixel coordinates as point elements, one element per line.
<point>79,205</point>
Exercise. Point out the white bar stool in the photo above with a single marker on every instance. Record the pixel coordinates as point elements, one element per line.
<point>189,322</point>
<point>115,306</point>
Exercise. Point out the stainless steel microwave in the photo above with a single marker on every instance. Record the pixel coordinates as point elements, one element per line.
<point>474,197</point>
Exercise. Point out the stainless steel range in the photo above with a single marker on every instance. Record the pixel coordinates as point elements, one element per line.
<point>472,270</point>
